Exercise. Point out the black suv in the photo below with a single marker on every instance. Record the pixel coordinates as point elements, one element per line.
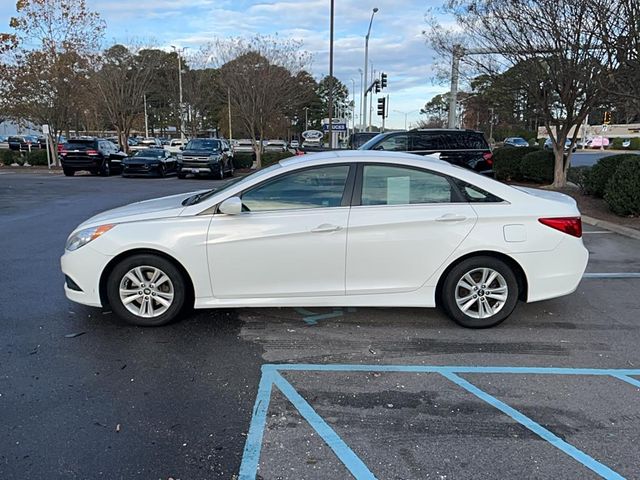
<point>97,155</point>
<point>466,148</point>
<point>205,156</point>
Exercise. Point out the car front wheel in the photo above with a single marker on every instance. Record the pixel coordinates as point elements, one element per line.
<point>146,290</point>
<point>480,292</point>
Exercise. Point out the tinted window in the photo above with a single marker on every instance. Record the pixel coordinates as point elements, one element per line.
<point>474,194</point>
<point>385,185</point>
<point>394,143</point>
<point>466,141</point>
<point>150,153</point>
<point>81,144</point>
<point>426,141</point>
<point>311,188</point>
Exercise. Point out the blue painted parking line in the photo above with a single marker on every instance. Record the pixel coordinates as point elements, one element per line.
<point>312,318</point>
<point>271,376</point>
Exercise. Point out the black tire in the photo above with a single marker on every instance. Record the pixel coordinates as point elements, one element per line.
<point>68,172</point>
<point>448,293</point>
<point>181,176</point>
<point>220,173</point>
<point>117,276</point>
<point>232,168</point>
<point>161,171</point>
<point>105,171</point>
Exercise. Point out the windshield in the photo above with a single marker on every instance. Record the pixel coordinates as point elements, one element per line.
<point>203,144</point>
<point>150,153</point>
<point>197,198</point>
<point>371,143</point>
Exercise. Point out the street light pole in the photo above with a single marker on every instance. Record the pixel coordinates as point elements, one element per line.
<point>353,107</point>
<point>406,114</point>
<point>373,74</point>
<point>306,118</point>
<point>331,82</point>
<point>361,99</point>
<point>146,121</point>
<point>366,65</point>
<point>180,90</point>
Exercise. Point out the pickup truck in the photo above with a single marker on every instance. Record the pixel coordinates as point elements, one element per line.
<point>205,156</point>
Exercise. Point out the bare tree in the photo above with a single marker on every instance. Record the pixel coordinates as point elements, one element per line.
<point>558,49</point>
<point>46,59</point>
<point>260,76</point>
<point>121,83</point>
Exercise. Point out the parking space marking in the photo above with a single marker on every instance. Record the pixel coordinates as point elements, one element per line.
<point>612,275</point>
<point>312,318</point>
<point>271,375</point>
<point>584,232</point>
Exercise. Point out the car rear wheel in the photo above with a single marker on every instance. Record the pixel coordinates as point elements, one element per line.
<point>220,173</point>
<point>105,171</point>
<point>146,290</point>
<point>181,176</point>
<point>480,292</point>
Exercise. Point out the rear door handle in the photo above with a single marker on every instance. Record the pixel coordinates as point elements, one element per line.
<point>325,228</point>
<point>451,217</point>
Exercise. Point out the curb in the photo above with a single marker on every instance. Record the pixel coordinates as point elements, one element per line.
<point>626,231</point>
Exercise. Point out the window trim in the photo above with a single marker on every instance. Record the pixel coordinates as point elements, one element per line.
<point>347,194</point>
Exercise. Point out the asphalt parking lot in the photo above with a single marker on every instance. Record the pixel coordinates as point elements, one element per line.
<point>554,392</point>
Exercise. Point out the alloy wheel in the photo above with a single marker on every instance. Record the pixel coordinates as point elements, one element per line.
<point>481,293</point>
<point>146,291</point>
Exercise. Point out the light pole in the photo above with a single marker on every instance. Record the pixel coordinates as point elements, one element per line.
<point>373,74</point>
<point>405,115</point>
<point>361,98</point>
<point>366,64</point>
<point>306,118</point>
<point>180,90</point>
<point>353,107</point>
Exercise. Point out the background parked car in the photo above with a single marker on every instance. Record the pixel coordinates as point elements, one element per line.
<point>205,156</point>
<point>356,140</point>
<point>150,162</point>
<point>548,145</point>
<point>25,143</point>
<point>275,146</point>
<point>148,142</point>
<point>465,148</point>
<point>515,142</point>
<point>295,144</point>
<point>243,146</point>
<point>599,142</point>
<point>175,144</point>
<point>96,155</point>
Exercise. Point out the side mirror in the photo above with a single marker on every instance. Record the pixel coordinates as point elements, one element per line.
<point>231,206</point>
<point>181,148</point>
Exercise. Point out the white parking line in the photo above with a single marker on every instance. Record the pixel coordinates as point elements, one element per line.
<point>597,231</point>
<point>612,275</point>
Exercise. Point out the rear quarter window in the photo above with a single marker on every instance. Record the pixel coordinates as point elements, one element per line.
<point>466,141</point>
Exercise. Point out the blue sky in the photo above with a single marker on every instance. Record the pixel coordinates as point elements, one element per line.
<point>396,47</point>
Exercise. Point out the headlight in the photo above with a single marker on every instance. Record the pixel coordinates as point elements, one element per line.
<point>85,236</point>
<point>179,156</point>
<point>214,158</point>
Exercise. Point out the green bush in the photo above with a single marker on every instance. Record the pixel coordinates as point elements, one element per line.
<point>579,176</point>
<point>269,158</point>
<point>507,160</point>
<point>622,192</point>
<point>537,166</point>
<point>243,160</point>
<point>635,144</point>
<point>602,172</point>
<point>9,156</point>
<point>616,143</point>
<point>37,157</point>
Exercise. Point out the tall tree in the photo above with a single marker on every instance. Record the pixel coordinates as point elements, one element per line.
<point>121,82</point>
<point>47,60</point>
<point>559,53</point>
<point>260,76</point>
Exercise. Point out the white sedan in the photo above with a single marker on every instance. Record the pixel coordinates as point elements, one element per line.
<point>350,229</point>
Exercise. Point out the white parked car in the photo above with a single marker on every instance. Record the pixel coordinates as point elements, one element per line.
<point>358,228</point>
<point>243,146</point>
<point>275,146</point>
<point>175,145</point>
<point>295,144</point>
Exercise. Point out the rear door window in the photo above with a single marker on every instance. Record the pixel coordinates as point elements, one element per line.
<point>394,143</point>
<point>466,141</point>
<point>426,141</point>
<point>396,185</point>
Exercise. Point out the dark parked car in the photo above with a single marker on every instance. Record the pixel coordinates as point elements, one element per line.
<point>205,156</point>
<point>466,148</point>
<point>515,142</point>
<point>356,140</point>
<point>24,143</point>
<point>151,161</point>
<point>97,155</point>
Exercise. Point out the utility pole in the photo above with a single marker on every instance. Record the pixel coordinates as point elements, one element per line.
<point>180,90</point>
<point>366,66</point>
<point>146,121</point>
<point>229,108</point>
<point>331,83</point>
<point>491,125</point>
<point>362,87</point>
<point>373,74</point>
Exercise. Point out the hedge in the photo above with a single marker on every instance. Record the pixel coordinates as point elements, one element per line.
<point>269,158</point>
<point>507,160</point>
<point>9,156</point>
<point>602,172</point>
<point>36,157</point>
<point>579,176</point>
<point>243,160</point>
<point>622,192</point>
<point>538,166</point>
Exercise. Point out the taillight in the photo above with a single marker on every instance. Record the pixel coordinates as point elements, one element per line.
<point>569,225</point>
<point>92,152</point>
<point>488,157</point>
<point>63,152</point>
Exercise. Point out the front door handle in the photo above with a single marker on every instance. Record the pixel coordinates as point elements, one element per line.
<point>325,228</point>
<point>451,217</point>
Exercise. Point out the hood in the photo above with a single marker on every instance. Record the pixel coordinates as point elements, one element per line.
<point>200,153</point>
<point>164,207</point>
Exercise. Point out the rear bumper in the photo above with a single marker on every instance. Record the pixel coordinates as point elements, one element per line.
<point>556,273</point>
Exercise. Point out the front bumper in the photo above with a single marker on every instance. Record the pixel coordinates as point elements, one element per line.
<point>140,169</point>
<point>84,267</point>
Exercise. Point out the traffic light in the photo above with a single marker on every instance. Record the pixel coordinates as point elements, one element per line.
<point>383,80</point>
<point>382,105</point>
<point>376,86</point>
<point>607,118</point>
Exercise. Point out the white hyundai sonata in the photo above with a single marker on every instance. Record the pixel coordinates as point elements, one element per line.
<point>333,229</point>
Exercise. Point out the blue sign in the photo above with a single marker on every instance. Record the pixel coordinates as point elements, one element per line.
<point>337,127</point>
